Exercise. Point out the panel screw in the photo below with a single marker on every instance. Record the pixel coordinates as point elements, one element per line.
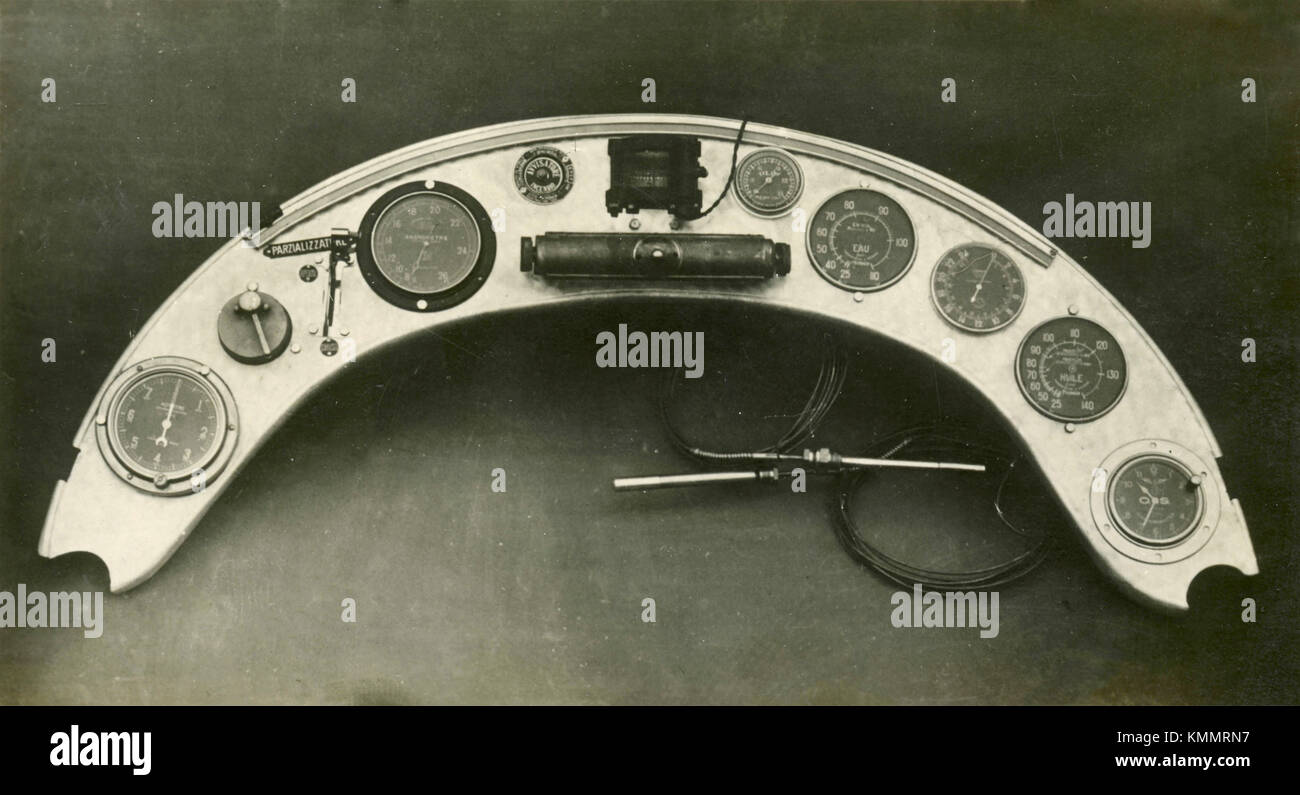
<point>1074,309</point>
<point>1069,427</point>
<point>344,332</point>
<point>101,420</point>
<point>160,481</point>
<point>295,348</point>
<point>634,224</point>
<point>252,287</point>
<point>858,297</point>
<point>312,329</point>
<point>422,304</point>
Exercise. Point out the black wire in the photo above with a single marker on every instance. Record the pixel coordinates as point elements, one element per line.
<point>735,150</point>
<point>825,391</point>
<point>934,441</point>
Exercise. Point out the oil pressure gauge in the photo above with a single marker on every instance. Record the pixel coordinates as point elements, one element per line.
<point>769,182</point>
<point>166,422</point>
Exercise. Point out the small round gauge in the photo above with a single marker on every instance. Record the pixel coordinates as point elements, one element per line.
<point>426,246</point>
<point>769,182</point>
<point>1071,369</point>
<point>1155,500</point>
<point>544,175</point>
<point>977,288</point>
<point>165,420</point>
<point>861,240</point>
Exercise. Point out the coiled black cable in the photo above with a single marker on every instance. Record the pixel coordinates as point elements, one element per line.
<point>923,441</point>
<point>928,441</point>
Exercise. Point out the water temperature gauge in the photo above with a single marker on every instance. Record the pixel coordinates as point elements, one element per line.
<point>166,422</point>
<point>769,182</point>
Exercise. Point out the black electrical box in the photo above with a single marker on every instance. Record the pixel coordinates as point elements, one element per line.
<point>655,172</point>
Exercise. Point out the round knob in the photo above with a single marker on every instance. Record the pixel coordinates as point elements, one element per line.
<point>253,327</point>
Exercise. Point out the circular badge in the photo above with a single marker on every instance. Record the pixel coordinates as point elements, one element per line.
<point>544,175</point>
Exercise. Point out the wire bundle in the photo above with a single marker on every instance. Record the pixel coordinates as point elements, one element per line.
<point>933,440</point>
<point>925,441</point>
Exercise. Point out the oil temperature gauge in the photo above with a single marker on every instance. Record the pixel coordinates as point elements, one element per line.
<point>1071,369</point>
<point>769,182</point>
<point>167,421</point>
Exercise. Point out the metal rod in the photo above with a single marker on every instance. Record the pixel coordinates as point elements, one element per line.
<point>693,479</point>
<point>900,464</point>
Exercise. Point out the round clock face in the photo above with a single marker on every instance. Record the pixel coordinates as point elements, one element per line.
<point>1155,500</point>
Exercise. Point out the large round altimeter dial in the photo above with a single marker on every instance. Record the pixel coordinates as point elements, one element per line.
<point>166,422</point>
<point>1071,369</point>
<point>1155,500</point>
<point>861,240</point>
<point>426,246</point>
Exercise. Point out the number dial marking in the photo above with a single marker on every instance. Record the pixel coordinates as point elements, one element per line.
<point>1153,501</point>
<point>1071,369</point>
<point>769,182</point>
<point>425,243</point>
<point>861,240</point>
<point>977,288</point>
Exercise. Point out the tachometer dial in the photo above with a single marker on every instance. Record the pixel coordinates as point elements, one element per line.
<point>1071,369</point>
<point>426,246</point>
<point>861,240</point>
<point>769,182</point>
<point>165,420</point>
<point>977,288</point>
<point>1155,500</point>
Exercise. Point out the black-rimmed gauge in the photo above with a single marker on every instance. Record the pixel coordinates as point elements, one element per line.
<point>165,420</point>
<point>426,246</point>
<point>861,240</point>
<point>1155,500</point>
<point>1071,369</point>
<point>977,288</point>
<point>769,182</point>
<point>544,175</point>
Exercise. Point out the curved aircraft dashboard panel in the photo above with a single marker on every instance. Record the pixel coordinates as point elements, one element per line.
<point>582,209</point>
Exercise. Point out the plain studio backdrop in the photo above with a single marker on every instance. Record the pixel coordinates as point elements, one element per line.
<point>379,488</point>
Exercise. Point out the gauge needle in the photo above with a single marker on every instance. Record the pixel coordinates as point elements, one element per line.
<point>416,265</point>
<point>161,441</point>
<point>980,283</point>
<point>1149,510</point>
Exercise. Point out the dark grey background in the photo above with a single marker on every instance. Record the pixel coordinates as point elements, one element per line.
<point>378,490</point>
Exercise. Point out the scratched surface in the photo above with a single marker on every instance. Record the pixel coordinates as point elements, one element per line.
<point>379,490</point>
